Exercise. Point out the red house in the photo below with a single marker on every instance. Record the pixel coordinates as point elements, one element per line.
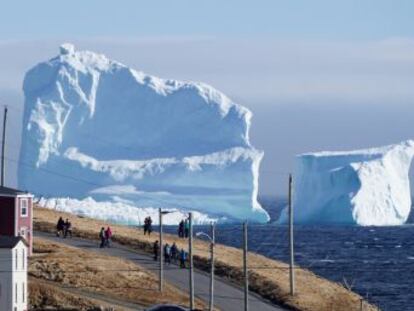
<point>16,214</point>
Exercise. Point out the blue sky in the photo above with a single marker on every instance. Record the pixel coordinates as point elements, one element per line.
<point>343,20</point>
<point>318,75</point>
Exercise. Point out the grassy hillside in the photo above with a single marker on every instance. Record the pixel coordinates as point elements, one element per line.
<point>269,278</point>
<point>87,272</point>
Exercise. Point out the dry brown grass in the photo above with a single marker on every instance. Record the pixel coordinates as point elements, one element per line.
<point>93,272</point>
<point>313,293</point>
<point>44,296</point>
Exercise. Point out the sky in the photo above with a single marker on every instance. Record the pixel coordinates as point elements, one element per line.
<point>349,20</point>
<point>318,75</point>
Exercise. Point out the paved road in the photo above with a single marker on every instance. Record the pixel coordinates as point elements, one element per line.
<point>228,297</point>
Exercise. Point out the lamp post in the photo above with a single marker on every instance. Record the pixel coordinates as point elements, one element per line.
<point>212,242</point>
<point>291,249</point>
<point>161,270</point>
<point>191,260</point>
<point>245,268</point>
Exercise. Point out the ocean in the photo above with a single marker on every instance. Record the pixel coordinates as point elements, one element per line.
<point>378,262</point>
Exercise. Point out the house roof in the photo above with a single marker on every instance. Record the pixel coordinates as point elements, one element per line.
<point>10,241</point>
<point>5,191</point>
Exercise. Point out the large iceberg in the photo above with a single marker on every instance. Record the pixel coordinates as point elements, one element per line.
<point>94,128</point>
<point>367,187</point>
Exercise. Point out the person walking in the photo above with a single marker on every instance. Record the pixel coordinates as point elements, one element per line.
<point>174,253</point>
<point>60,227</point>
<point>181,229</point>
<point>102,237</point>
<point>145,225</point>
<point>68,228</point>
<point>183,258</point>
<point>108,237</point>
<point>156,249</point>
<point>167,253</point>
<point>149,225</point>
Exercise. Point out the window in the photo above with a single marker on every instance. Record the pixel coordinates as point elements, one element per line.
<point>16,258</point>
<point>24,208</point>
<point>15,292</point>
<point>23,292</point>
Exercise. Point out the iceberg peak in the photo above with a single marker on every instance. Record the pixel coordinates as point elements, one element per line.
<point>67,48</point>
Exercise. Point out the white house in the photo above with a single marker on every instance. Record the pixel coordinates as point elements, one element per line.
<point>13,273</point>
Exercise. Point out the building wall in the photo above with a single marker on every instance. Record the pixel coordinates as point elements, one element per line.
<point>19,277</point>
<point>25,222</point>
<point>6,279</point>
<point>13,278</point>
<point>7,210</point>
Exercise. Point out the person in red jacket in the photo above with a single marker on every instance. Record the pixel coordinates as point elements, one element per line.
<point>108,236</point>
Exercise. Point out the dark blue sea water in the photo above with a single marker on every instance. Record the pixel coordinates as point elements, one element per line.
<point>378,261</point>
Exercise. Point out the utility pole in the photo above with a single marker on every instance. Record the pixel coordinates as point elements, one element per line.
<point>3,147</point>
<point>213,242</point>
<point>246,272</point>
<point>291,250</point>
<point>190,255</point>
<point>161,270</point>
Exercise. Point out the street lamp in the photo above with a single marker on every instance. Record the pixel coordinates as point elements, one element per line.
<point>212,242</point>
<point>161,270</point>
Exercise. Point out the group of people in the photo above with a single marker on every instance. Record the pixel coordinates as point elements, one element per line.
<point>171,254</point>
<point>63,228</point>
<point>147,225</point>
<point>105,237</point>
<point>183,228</point>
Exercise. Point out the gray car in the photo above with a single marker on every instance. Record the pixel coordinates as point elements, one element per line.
<point>167,308</point>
